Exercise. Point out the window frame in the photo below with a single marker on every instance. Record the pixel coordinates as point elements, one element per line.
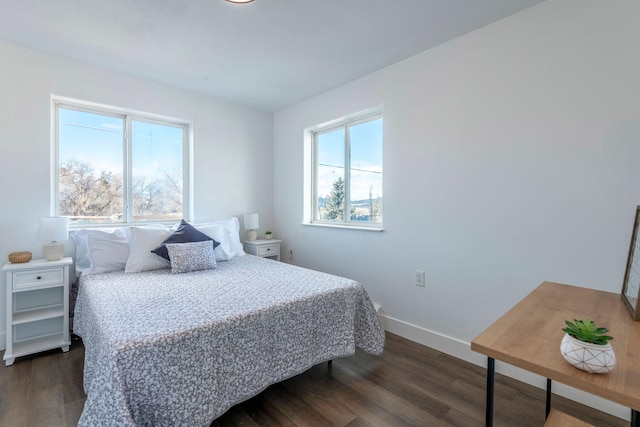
<point>311,216</point>
<point>128,116</point>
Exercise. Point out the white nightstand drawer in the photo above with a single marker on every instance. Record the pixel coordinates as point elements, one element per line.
<point>268,250</point>
<point>34,279</point>
<point>264,248</point>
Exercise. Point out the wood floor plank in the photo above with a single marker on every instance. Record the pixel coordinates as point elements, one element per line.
<point>295,409</point>
<point>46,403</point>
<point>368,411</point>
<point>409,385</point>
<point>397,405</point>
<point>238,416</point>
<point>72,411</point>
<point>262,412</point>
<point>14,402</point>
<point>403,385</point>
<point>315,395</point>
<point>46,371</point>
<point>435,378</point>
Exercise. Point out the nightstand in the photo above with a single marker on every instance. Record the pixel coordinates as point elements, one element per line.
<point>264,248</point>
<point>37,307</point>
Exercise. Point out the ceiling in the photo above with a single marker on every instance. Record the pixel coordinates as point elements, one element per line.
<point>267,55</point>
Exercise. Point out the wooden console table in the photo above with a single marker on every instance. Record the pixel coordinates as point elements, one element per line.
<point>528,336</point>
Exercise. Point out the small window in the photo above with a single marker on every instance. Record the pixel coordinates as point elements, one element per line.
<point>347,173</point>
<point>112,167</point>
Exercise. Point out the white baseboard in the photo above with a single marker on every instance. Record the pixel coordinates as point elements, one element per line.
<point>462,350</point>
<point>3,341</point>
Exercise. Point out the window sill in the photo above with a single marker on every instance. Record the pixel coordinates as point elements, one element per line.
<point>346,227</point>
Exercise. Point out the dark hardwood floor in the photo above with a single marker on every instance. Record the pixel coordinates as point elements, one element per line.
<point>409,384</point>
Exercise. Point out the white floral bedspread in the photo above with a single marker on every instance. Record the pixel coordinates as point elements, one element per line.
<point>166,349</point>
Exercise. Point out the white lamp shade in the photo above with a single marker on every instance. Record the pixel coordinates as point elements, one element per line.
<point>54,229</point>
<point>251,221</point>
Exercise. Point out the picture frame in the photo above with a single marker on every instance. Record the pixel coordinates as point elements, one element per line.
<point>631,285</point>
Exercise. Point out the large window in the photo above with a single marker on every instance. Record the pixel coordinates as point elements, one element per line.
<point>113,167</point>
<point>347,172</point>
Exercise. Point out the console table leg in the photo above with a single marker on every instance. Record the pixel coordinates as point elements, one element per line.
<point>548,408</point>
<point>491,369</point>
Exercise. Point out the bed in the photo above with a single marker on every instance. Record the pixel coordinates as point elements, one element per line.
<point>166,349</point>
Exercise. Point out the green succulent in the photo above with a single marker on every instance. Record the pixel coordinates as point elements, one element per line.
<point>586,331</point>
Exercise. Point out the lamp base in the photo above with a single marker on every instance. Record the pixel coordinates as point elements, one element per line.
<point>251,235</point>
<point>53,251</point>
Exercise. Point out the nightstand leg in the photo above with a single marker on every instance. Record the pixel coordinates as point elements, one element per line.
<point>9,362</point>
<point>65,348</point>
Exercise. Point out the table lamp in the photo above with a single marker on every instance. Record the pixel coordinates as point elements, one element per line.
<point>54,230</point>
<point>251,224</point>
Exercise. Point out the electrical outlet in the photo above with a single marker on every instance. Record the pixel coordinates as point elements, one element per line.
<point>420,281</point>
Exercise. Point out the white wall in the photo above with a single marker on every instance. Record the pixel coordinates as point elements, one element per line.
<point>511,157</point>
<point>233,148</point>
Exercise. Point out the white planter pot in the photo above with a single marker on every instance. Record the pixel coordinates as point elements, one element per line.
<point>597,359</point>
<point>267,237</point>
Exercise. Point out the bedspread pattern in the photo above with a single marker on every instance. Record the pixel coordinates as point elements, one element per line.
<point>166,349</point>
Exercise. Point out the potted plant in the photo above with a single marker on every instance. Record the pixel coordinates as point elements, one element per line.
<point>267,235</point>
<point>587,347</point>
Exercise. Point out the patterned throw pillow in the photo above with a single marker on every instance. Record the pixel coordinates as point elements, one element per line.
<point>191,256</point>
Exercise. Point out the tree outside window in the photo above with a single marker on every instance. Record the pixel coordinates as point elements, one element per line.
<point>115,168</point>
<point>347,167</point>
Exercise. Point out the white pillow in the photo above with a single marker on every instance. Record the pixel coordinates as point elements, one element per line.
<point>218,233</point>
<point>142,240</point>
<point>192,256</point>
<point>232,230</point>
<point>233,226</point>
<point>83,262</point>
<point>100,251</point>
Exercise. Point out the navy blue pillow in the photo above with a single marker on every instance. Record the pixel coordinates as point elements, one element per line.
<point>185,233</point>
